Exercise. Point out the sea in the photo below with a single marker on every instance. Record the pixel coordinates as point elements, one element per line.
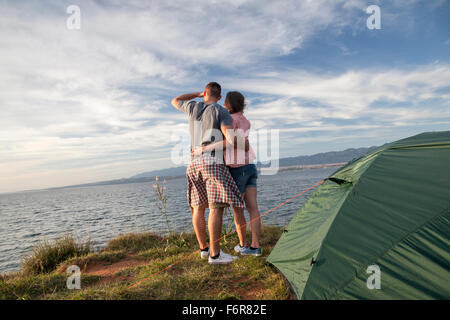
<point>100,213</point>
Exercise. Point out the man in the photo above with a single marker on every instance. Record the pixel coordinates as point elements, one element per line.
<point>209,181</point>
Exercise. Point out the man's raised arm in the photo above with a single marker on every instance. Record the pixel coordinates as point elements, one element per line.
<point>186,97</point>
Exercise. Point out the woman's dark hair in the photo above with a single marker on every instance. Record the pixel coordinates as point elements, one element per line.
<point>236,101</point>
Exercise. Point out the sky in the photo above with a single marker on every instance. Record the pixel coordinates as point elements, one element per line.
<point>91,104</point>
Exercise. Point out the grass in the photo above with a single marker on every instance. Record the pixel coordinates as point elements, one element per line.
<point>42,286</point>
<point>134,242</point>
<point>47,256</point>
<point>130,258</point>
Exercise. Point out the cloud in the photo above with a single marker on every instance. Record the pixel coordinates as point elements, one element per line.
<point>94,102</point>
<point>349,95</point>
<point>95,92</point>
<point>318,112</point>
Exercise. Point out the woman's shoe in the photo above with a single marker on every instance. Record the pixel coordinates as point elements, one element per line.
<point>251,252</point>
<point>204,254</point>
<point>238,248</point>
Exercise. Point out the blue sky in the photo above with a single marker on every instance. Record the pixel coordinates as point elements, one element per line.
<point>79,106</point>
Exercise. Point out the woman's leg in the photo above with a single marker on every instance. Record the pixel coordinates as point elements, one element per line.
<point>255,221</point>
<point>241,225</point>
<point>239,217</point>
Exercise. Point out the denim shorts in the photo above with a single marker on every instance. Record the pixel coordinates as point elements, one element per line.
<point>244,176</point>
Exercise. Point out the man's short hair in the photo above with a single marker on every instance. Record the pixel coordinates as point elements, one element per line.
<point>214,89</point>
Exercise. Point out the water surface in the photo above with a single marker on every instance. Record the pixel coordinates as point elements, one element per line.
<point>102,212</point>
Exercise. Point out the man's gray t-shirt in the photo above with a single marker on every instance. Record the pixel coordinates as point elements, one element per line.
<point>205,121</point>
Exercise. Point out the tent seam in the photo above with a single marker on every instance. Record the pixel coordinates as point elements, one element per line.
<point>353,183</point>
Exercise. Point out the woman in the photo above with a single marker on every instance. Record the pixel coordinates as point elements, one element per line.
<point>243,170</point>
<point>245,175</point>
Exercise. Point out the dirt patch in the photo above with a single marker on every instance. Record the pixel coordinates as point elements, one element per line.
<point>100,269</point>
<point>252,290</point>
<point>105,280</point>
<point>107,272</point>
<point>245,288</point>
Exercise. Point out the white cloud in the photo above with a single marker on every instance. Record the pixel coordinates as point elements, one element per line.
<point>71,94</point>
<point>349,95</point>
<point>349,109</point>
<point>75,102</point>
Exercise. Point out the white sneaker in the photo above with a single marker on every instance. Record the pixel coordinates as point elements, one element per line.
<point>204,254</point>
<point>223,258</point>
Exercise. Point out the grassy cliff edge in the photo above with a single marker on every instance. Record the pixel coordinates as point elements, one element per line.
<point>130,258</point>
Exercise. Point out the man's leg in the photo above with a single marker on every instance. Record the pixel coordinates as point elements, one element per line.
<point>198,221</point>
<point>241,225</point>
<point>215,229</point>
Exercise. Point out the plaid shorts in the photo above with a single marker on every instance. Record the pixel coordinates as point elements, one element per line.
<point>210,182</point>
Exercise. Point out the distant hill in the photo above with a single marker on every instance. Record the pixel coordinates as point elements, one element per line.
<point>170,172</point>
<point>326,157</point>
<point>333,157</point>
<point>319,158</point>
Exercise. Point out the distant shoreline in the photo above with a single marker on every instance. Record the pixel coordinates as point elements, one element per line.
<point>315,161</point>
<point>150,179</point>
<point>312,166</point>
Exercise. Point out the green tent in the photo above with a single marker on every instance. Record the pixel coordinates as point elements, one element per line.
<point>390,209</point>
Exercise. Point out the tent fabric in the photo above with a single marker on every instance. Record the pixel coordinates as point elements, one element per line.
<point>390,208</point>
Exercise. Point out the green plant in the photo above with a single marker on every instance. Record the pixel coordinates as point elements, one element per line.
<point>176,240</point>
<point>46,256</point>
<point>227,227</point>
<point>161,200</point>
<point>172,239</point>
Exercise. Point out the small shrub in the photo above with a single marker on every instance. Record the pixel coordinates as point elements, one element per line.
<point>176,240</point>
<point>161,201</point>
<point>227,228</point>
<point>46,256</point>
